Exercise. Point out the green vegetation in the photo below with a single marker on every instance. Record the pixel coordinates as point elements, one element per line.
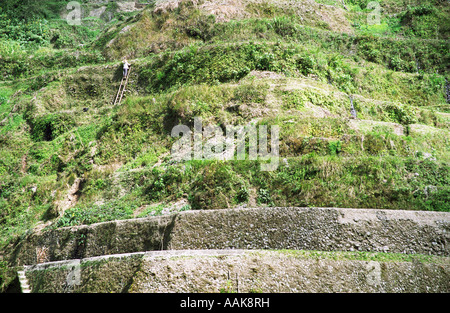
<point>91,215</point>
<point>363,256</point>
<point>60,136</point>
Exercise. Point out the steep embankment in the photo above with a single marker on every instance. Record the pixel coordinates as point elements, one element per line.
<point>68,157</point>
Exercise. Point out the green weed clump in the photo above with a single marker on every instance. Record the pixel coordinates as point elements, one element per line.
<point>90,215</point>
<point>48,127</point>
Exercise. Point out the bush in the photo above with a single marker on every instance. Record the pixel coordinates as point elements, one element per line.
<point>335,147</point>
<point>264,197</point>
<point>402,114</point>
<point>95,214</point>
<point>361,3</point>
<point>200,27</point>
<point>242,195</point>
<point>283,26</point>
<point>50,126</point>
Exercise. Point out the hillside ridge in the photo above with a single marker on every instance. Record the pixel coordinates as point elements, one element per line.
<point>352,98</point>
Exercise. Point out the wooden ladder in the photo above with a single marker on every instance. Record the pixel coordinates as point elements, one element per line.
<point>123,85</point>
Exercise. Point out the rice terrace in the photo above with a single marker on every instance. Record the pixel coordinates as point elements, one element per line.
<point>225,147</point>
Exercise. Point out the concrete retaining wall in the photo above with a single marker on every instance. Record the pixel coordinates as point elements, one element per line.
<point>239,271</point>
<point>326,229</point>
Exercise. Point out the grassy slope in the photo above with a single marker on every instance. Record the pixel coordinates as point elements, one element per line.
<point>186,64</point>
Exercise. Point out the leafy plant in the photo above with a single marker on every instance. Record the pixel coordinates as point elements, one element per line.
<point>264,196</point>
<point>95,214</point>
<point>335,147</point>
<point>242,195</point>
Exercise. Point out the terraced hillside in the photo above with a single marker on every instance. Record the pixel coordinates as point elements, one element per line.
<point>81,178</point>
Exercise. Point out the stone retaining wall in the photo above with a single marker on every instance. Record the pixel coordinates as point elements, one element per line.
<point>325,229</point>
<point>239,271</point>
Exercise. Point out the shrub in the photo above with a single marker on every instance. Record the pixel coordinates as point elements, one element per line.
<point>242,195</point>
<point>200,27</point>
<point>50,126</point>
<point>402,114</point>
<point>335,147</point>
<point>264,196</point>
<point>95,214</point>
